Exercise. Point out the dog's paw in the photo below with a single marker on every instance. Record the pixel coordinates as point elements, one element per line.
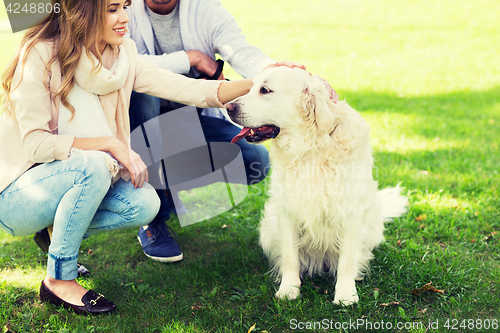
<point>288,292</point>
<point>346,293</point>
<point>346,300</point>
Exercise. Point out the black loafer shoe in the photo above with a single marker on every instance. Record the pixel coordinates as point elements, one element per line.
<point>94,303</point>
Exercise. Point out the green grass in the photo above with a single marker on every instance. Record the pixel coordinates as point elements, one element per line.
<point>426,76</point>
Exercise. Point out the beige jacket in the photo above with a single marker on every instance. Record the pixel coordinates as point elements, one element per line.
<point>31,136</point>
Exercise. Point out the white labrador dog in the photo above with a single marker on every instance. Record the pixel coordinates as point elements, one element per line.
<point>325,213</point>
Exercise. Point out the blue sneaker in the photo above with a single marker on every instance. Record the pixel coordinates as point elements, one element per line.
<point>158,244</point>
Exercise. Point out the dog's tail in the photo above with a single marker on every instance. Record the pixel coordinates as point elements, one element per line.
<point>393,202</point>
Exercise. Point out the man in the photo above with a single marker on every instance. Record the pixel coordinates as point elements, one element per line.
<point>184,36</point>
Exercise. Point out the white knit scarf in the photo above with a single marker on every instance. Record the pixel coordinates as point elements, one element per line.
<point>108,84</point>
<point>99,102</point>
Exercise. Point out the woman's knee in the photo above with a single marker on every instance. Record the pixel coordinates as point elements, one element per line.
<point>93,166</point>
<point>87,173</point>
<point>146,204</point>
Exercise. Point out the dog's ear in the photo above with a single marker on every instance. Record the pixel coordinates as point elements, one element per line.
<point>316,105</point>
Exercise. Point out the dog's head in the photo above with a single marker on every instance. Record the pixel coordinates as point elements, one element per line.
<point>283,99</point>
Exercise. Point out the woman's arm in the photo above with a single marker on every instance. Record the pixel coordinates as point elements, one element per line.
<point>230,90</point>
<point>122,153</point>
<point>33,109</point>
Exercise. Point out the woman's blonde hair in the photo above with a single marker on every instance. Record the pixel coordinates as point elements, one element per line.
<point>76,25</point>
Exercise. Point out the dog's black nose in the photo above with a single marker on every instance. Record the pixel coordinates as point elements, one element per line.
<point>231,107</point>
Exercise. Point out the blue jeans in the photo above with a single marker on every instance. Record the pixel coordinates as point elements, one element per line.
<point>76,198</point>
<point>144,107</point>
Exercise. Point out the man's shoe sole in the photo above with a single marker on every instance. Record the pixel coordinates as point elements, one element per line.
<point>42,239</point>
<point>162,259</point>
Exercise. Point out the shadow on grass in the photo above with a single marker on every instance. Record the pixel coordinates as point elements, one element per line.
<point>460,150</point>
<point>458,105</point>
<point>469,119</point>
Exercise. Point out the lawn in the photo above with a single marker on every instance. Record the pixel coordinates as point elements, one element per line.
<point>426,76</point>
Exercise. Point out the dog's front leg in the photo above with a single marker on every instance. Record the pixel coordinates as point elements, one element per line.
<point>347,269</point>
<point>290,262</point>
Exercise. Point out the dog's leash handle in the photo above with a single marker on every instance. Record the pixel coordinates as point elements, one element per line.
<point>218,71</point>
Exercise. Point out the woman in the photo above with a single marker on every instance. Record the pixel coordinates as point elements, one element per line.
<point>62,180</point>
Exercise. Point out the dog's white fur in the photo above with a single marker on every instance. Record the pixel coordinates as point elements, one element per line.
<point>325,213</point>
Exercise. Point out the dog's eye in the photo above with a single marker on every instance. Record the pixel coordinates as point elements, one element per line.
<point>265,90</point>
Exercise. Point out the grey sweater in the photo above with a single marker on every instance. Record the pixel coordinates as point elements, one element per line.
<point>205,26</point>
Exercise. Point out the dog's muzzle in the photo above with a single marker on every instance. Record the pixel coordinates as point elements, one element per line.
<point>251,134</point>
<point>258,134</point>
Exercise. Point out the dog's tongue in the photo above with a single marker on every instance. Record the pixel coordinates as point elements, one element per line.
<point>244,132</point>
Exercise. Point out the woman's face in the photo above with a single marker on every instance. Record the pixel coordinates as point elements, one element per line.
<point>114,27</point>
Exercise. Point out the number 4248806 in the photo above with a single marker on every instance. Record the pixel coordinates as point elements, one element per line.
<point>32,8</point>
<point>471,324</point>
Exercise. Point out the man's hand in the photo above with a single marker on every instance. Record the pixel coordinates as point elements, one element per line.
<point>291,64</point>
<point>203,63</point>
<point>333,95</point>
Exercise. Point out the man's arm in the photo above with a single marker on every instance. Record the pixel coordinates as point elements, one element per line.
<point>140,31</point>
<point>222,35</point>
<point>229,41</point>
<point>177,62</point>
